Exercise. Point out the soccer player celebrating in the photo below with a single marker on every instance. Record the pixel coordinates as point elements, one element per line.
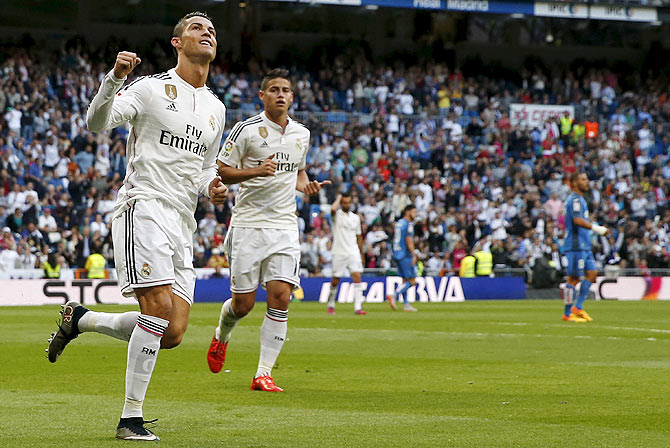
<point>266,156</point>
<point>176,129</point>
<point>347,251</point>
<point>577,247</point>
<point>403,254</point>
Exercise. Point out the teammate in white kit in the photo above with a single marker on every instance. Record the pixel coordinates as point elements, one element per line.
<point>176,126</point>
<point>348,257</point>
<point>266,156</point>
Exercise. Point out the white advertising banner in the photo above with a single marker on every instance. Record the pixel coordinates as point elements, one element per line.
<point>562,9</point>
<point>59,291</point>
<point>533,115</point>
<point>623,12</point>
<point>632,288</point>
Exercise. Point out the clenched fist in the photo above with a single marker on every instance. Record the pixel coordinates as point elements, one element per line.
<point>125,63</point>
<point>217,191</point>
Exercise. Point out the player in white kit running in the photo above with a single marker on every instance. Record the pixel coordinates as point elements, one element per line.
<point>266,156</point>
<point>176,126</point>
<point>348,257</point>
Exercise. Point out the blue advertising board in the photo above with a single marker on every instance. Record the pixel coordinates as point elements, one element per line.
<point>428,289</point>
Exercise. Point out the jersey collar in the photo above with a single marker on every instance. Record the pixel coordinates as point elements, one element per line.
<point>274,125</point>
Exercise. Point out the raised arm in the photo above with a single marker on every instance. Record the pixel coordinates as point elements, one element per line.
<point>107,110</point>
<point>335,206</point>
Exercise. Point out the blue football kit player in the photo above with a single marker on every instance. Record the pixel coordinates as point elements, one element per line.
<point>403,254</point>
<point>577,248</point>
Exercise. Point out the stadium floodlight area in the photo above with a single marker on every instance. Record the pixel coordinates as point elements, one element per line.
<point>627,11</point>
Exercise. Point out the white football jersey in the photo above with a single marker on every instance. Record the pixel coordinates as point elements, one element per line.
<point>346,228</point>
<point>175,135</point>
<point>266,202</point>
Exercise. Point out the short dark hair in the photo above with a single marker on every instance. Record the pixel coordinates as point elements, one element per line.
<point>274,74</point>
<point>408,208</point>
<point>346,194</point>
<point>574,176</point>
<point>178,29</point>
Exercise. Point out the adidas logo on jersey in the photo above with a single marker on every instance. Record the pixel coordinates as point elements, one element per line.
<point>264,144</point>
<point>172,107</point>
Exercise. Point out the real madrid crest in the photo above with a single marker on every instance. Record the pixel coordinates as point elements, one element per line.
<point>146,270</point>
<point>171,91</point>
<point>263,132</point>
<point>212,123</point>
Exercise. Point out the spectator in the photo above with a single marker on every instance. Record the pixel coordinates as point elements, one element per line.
<point>217,260</point>
<point>96,263</point>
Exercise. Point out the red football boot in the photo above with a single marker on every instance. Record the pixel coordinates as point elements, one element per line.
<point>216,355</point>
<point>391,301</point>
<point>266,384</point>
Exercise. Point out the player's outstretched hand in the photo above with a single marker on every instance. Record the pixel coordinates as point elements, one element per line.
<point>314,186</point>
<point>268,167</point>
<point>125,63</point>
<point>217,191</point>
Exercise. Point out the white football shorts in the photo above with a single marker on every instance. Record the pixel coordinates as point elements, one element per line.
<point>153,245</point>
<point>257,256</point>
<point>345,264</point>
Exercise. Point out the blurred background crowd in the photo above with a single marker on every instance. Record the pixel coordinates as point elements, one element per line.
<point>431,135</point>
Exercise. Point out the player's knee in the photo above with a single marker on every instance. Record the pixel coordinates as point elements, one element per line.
<point>279,301</point>
<point>173,336</point>
<point>241,309</point>
<point>171,341</point>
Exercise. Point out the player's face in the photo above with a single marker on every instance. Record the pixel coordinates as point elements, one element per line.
<point>277,96</point>
<point>198,40</point>
<point>582,183</point>
<point>345,203</point>
<point>412,214</point>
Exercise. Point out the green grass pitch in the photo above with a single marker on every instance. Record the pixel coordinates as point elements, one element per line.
<point>475,374</point>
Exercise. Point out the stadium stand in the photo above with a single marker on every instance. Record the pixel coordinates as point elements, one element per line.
<point>434,136</point>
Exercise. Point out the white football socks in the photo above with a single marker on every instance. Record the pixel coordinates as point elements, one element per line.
<point>359,298</point>
<point>273,333</point>
<point>143,347</point>
<point>116,325</point>
<point>331,296</point>
<point>227,321</point>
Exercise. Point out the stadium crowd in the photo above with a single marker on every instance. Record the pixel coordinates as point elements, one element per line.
<point>424,135</point>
